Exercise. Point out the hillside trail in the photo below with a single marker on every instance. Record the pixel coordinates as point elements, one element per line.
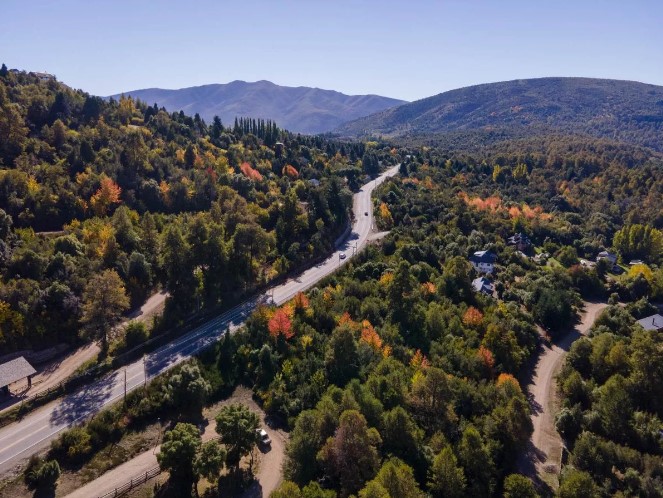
<point>543,455</point>
<point>56,371</point>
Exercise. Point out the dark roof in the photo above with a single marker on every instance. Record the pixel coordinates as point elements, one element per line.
<point>482,284</point>
<point>483,257</point>
<point>15,370</point>
<point>519,238</point>
<point>654,322</point>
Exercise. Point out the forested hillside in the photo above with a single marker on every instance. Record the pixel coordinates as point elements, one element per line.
<point>625,111</point>
<point>126,197</point>
<point>298,109</point>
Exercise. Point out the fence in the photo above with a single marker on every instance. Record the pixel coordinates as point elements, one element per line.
<point>136,481</point>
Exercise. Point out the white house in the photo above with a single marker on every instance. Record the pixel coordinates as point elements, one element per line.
<point>483,261</point>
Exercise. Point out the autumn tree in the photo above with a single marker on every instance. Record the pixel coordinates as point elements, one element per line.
<point>104,301</point>
<point>107,195</point>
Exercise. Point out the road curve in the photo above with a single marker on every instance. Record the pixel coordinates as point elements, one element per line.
<point>34,432</point>
<point>544,450</point>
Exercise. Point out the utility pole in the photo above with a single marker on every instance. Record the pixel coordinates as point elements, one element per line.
<point>145,371</point>
<point>125,386</point>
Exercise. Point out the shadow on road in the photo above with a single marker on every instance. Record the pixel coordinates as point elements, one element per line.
<point>84,402</point>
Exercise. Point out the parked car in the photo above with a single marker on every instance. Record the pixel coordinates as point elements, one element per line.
<point>342,256</point>
<point>263,437</point>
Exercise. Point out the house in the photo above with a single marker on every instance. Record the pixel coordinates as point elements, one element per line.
<point>43,76</point>
<point>14,370</point>
<point>653,323</point>
<point>483,261</point>
<point>612,258</point>
<point>520,240</point>
<point>482,284</point>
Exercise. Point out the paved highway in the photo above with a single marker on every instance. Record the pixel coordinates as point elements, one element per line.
<point>34,432</point>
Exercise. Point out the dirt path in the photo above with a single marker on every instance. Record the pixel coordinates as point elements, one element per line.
<point>268,463</point>
<point>52,373</point>
<point>544,451</point>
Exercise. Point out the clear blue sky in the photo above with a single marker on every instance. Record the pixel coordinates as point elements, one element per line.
<point>404,49</point>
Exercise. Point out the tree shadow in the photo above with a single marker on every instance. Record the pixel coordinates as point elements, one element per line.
<point>84,402</point>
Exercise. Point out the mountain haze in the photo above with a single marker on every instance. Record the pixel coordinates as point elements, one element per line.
<point>621,110</point>
<point>298,109</point>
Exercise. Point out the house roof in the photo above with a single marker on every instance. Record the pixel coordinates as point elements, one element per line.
<point>483,257</point>
<point>654,322</point>
<point>14,370</point>
<point>606,254</point>
<point>482,284</point>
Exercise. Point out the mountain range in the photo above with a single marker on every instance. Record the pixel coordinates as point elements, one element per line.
<point>624,111</point>
<point>298,109</point>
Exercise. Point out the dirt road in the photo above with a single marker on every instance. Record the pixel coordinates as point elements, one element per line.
<point>269,462</point>
<point>544,452</point>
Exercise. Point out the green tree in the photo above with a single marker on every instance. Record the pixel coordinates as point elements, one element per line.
<point>341,357</point>
<point>639,241</point>
<point>236,425</point>
<point>519,486</point>
<point>210,461</point>
<point>178,454</point>
<point>351,455</point>
<point>447,479</point>
<point>477,462</point>
<point>398,480</point>
<point>187,390</point>
<point>577,484</point>
<point>104,301</point>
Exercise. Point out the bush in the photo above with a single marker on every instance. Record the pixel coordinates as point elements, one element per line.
<point>42,474</point>
<point>74,444</point>
<point>135,334</point>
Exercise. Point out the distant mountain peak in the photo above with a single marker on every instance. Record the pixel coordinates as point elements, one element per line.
<point>626,111</point>
<point>298,109</point>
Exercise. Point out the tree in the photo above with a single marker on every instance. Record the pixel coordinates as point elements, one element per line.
<point>351,455</point>
<point>107,195</point>
<point>236,426</point>
<point>639,241</point>
<point>577,484</point>
<point>477,462</point>
<point>210,460</point>
<point>104,301</point>
<point>3,71</point>
<point>447,479</point>
<point>519,486</point>
<point>178,453</point>
<point>187,390</point>
<point>398,480</point>
<point>341,357</point>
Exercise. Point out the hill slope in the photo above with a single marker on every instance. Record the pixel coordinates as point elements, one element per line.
<point>299,109</point>
<point>622,110</point>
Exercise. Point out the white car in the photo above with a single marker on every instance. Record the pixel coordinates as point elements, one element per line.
<point>342,256</point>
<point>263,437</point>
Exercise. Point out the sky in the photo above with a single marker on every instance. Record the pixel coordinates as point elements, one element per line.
<point>402,49</point>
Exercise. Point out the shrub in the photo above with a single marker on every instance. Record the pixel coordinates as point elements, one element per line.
<point>135,334</point>
<point>41,474</point>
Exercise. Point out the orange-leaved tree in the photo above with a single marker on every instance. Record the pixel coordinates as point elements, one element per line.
<point>107,195</point>
<point>280,325</point>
